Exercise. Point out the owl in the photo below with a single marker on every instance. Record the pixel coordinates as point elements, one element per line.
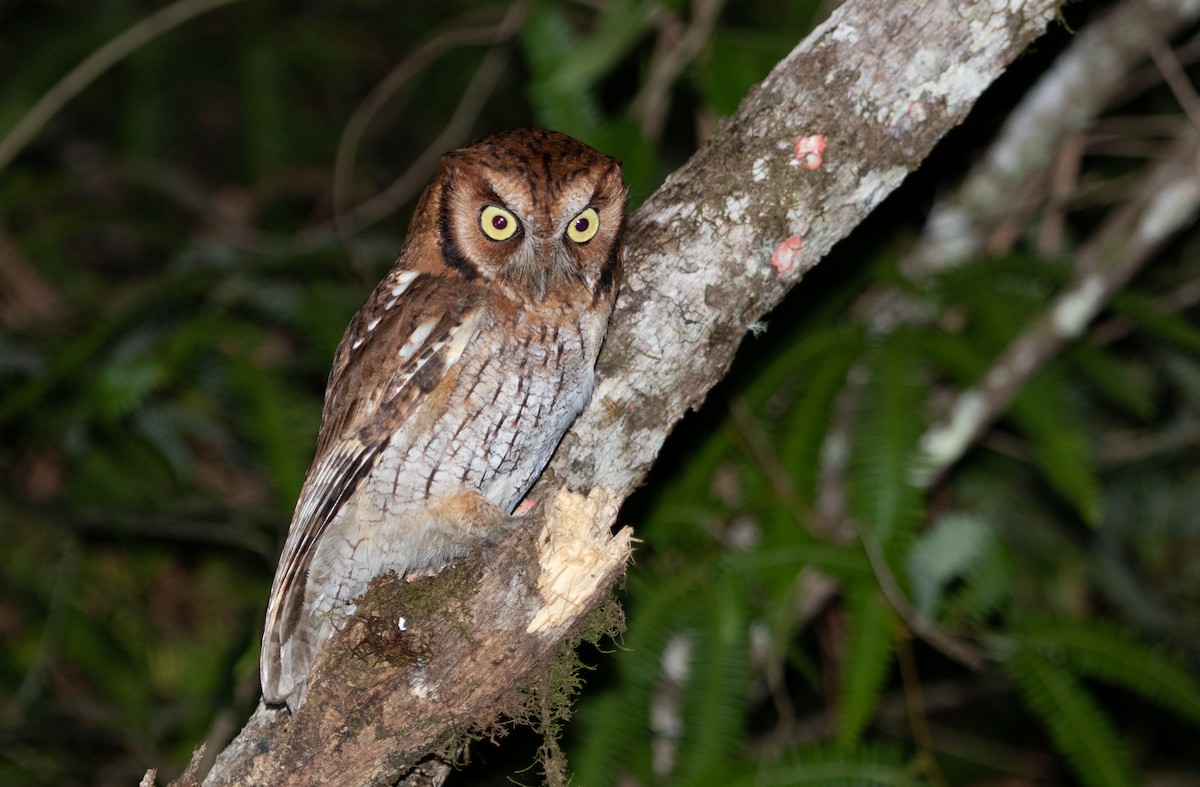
<point>453,384</point>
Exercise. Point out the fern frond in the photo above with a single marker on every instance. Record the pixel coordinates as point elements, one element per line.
<point>862,766</point>
<point>614,726</point>
<point>844,562</point>
<point>813,347</point>
<point>986,588</point>
<point>1077,726</point>
<point>1112,654</point>
<point>808,420</point>
<point>1112,379</point>
<point>718,683</point>
<point>549,44</point>
<point>618,27</point>
<point>1045,413</point>
<point>1150,317</point>
<point>869,649</point>
<point>881,494</point>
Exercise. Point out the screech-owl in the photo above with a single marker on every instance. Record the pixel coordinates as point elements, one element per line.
<point>453,384</point>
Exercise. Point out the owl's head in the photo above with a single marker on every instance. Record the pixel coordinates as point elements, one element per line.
<point>534,212</point>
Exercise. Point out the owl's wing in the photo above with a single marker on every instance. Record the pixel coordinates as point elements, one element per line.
<point>395,353</point>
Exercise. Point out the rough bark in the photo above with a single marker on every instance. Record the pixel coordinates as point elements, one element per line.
<point>811,151</point>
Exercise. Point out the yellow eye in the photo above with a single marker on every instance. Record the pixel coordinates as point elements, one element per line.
<point>583,227</point>
<point>497,223</point>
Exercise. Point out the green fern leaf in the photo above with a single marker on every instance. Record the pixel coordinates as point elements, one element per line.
<point>1112,379</point>
<point>1106,652</point>
<point>806,351</point>
<point>717,687</point>
<point>986,588</point>
<point>845,562</point>
<point>1077,726</point>
<point>1150,317</point>
<point>550,44</point>
<point>1045,413</point>
<point>618,27</point>
<point>881,494</point>
<point>869,649</point>
<point>614,727</point>
<point>808,422</point>
<point>863,766</point>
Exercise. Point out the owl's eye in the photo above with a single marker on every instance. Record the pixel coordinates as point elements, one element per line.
<point>497,223</point>
<point>583,227</point>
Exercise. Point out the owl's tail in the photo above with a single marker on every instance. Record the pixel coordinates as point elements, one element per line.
<point>286,662</point>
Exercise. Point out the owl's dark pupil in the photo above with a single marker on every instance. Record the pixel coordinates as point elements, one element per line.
<point>499,222</point>
<point>581,226</point>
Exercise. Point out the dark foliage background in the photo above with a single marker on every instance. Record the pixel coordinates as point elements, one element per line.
<point>183,243</point>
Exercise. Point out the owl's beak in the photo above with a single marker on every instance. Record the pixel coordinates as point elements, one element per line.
<point>540,280</point>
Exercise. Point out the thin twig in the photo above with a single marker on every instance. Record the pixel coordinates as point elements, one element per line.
<point>1177,81</point>
<point>914,703</point>
<point>781,482</point>
<point>346,220</point>
<point>117,49</point>
<point>671,56</point>
<point>894,596</point>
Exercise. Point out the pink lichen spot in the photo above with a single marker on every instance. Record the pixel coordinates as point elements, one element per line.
<point>526,505</point>
<point>810,151</point>
<point>784,258</point>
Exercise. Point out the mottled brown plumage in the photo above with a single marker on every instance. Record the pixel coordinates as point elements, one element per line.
<point>453,384</point>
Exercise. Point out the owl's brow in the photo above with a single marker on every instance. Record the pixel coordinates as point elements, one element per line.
<point>453,254</point>
<point>491,196</point>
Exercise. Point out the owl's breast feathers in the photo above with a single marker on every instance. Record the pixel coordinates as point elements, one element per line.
<point>411,418</point>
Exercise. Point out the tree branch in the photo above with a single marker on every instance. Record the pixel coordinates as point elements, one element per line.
<point>867,95</point>
<point>1167,199</point>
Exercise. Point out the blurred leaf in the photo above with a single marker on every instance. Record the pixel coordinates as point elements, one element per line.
<point>1113,379</point>
<point>864,766</point>
<point>1149,317</point>
<point>869,649</point>
<point>718,681</point>
<point>1078,727</point>
<point>890,420</point>
<point>619,24</point>
<point>1047,414</point>
<point>954,545</point>
<point>1104,651</point>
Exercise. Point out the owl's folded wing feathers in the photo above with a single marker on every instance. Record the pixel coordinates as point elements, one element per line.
<point>431,329</point>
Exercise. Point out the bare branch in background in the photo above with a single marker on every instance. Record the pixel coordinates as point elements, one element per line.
<point>677,48</point>
<point>349,220</point>
<point>1167,201</point>
<point>1083,81</point>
